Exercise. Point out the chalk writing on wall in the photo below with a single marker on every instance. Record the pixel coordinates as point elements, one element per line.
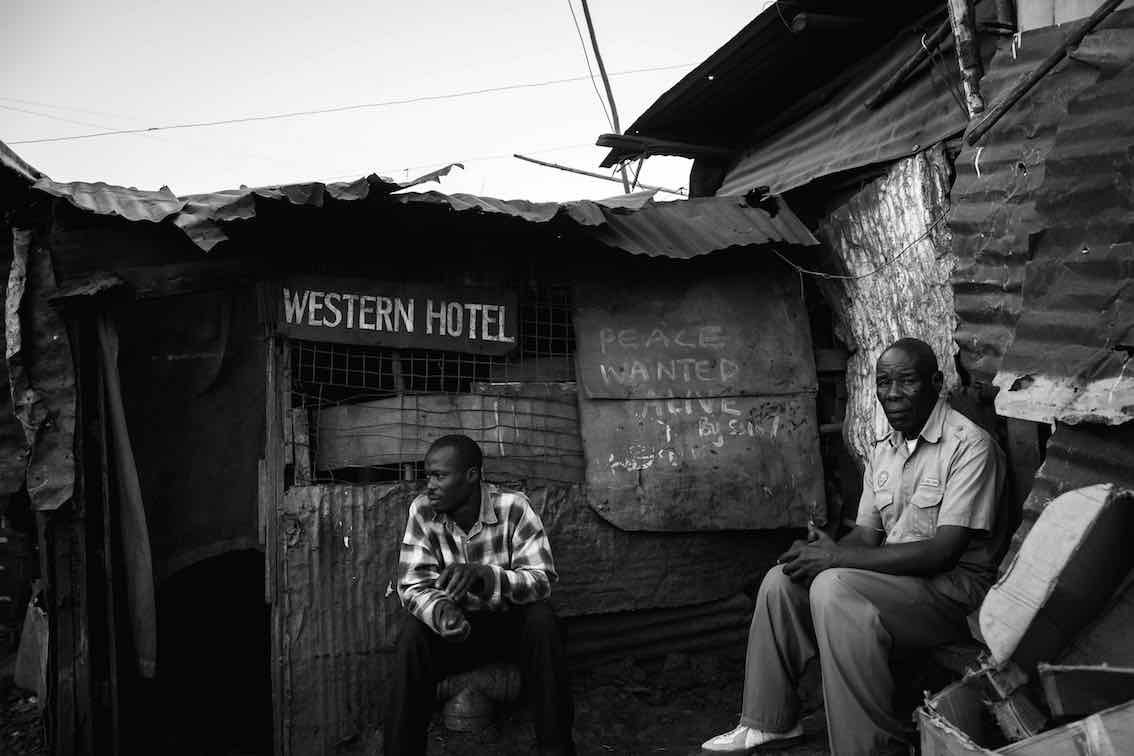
<point>356,311</point>
<point>697,404</point>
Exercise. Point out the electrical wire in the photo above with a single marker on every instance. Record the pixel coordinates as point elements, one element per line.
<point>879,268</point>
<point>587,58</point>
<point>343,108</point>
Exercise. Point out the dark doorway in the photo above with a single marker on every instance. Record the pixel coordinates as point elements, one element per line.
<point>214,674</point>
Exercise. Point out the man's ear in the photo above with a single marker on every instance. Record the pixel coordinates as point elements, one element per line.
<point>472,475</point>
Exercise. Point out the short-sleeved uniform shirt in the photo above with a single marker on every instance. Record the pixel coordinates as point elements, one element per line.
<point>953,476</point>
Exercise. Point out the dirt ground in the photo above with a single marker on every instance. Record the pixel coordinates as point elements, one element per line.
<point>665,706</point>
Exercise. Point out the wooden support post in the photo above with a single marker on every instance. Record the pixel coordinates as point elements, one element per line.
<point>301,444</point>
<point>968,53</point>
<point>1013,95</point>
<point>605,83</point>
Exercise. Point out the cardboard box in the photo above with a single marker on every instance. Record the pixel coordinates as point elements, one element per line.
<point>1070,564</point>
<point>956,722</point>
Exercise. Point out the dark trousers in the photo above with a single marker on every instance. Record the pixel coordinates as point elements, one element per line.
<point>528,635</point>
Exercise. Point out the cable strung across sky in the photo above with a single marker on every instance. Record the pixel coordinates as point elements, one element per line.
<point>341,108</point>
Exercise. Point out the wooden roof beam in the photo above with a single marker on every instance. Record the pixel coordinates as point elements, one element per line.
<point>641,146</point>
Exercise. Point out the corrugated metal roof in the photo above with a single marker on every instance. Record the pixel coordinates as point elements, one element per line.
<point>633,223</point>
<point>16,166</point>
<point>680,229</point>
<point>995,218</point>
<point>843,134</point>
<point>765,69</point>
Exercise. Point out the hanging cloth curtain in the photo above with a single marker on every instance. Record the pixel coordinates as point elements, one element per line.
<point>131,513</point>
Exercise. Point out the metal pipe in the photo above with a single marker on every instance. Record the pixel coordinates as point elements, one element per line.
<point>605,83</point>
<point>581,172</point>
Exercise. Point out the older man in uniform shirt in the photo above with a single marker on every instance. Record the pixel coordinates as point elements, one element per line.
<point>922,555</point>
<point>476,568</point>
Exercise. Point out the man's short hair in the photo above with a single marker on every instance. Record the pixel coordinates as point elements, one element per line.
<point>468,451</point>
<point>923,354</point>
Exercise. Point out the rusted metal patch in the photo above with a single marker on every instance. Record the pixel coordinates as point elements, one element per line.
<point>13,443</point>
<point>41,374</point>
<point>339,547</point>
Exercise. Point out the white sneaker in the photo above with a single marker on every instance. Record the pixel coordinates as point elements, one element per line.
<point>747,740</point>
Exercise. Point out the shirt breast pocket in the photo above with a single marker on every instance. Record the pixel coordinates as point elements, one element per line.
<point>925,507</point>
<point>884,503</point>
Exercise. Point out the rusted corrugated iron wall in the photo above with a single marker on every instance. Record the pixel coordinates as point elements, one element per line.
<point>994,196</point>
<point>636,593</point>
<point>893,245</point>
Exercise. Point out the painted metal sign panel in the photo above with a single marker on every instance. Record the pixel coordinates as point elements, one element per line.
<point>698,404</point>
<point>405,315</point>
<point>705,463</point>
<point>721,336</point>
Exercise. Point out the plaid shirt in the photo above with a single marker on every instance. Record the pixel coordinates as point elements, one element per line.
<point>507,536</point>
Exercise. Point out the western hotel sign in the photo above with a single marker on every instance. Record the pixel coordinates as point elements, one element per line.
<point>420,316</point>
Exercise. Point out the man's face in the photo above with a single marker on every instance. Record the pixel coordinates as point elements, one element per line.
<point>449,482</point>
<point>907,391</point>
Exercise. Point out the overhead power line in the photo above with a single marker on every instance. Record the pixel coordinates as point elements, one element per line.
<point>587,59</point>
<point>341,108</point>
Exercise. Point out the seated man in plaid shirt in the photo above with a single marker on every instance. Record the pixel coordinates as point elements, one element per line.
<point>476,570</point>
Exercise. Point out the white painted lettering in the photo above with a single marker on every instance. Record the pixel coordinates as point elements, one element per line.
<point>686,363</point>
<point>711,337</point>
<point>606,336</point>
<point>403,317</point>
<point>703,368</point>
<point>657,337</point>
<point>333,308</point>
<point>455,319</point>
<point>639,372</point>
<point>502,337</point>
<point>677,339</point>
<point>350,300</point>
<point>314,305</point>
<point>367,304</point>
<point>612,371</point>
<point>628,338</point>
<point>728,406</point>
<point>385,307</point>
<point>667,372</point>
<point>432,315</point>
<point>487,318</point>
<point>472,310</point>
<point>294,306</point>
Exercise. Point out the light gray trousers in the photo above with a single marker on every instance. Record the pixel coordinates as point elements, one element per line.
<point>851,619</point>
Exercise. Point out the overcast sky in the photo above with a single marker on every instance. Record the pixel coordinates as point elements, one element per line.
<point>69,68</point>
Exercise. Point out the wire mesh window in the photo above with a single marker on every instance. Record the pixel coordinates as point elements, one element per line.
<point>370,411</point>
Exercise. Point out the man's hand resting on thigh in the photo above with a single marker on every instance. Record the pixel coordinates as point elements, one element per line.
<point>459,579</point>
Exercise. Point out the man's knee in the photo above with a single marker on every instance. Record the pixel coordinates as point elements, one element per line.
<point>412,635</point>
<point>828,588</point>
<point>540,619</point>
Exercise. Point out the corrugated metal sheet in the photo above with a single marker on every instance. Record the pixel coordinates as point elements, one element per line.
<point>843,135</point>
<point>635,223</point>
<point>1077,456</point>
<point>765,69</point>
<point>910,296</point>
<point>42,378</point>
<point>338,613</point>
<point>337,610</point>
<point>998,183</point>
<point>680,229</point>
<point>16,166</point>
<point>1071,356</point>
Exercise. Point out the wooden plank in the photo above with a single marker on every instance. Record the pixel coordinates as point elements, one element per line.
<point>1109,732</point>
<point>1078,691</point>
<point>703,336</point>
<point>103,441</point>
<point>397,429</point>
<point>273,494</point>
<point>704,464</point>
<point>301,445</point>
